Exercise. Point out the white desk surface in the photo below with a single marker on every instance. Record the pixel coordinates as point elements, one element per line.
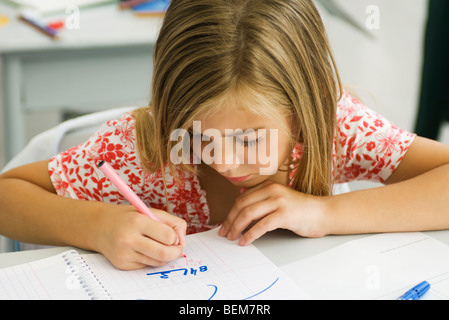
<point>101,26</point>
<point>280,246</point>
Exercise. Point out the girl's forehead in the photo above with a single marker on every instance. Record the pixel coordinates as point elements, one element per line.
<point>242,107</point>
<point>233,119</point>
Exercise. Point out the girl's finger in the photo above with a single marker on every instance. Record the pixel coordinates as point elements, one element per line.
<point>251,213</point>
<point>157,231</point>
<point>177,224</point>
<point>247,198</point>
<point>171,230</point>
<point>267,224</point>
<point>156,251</point>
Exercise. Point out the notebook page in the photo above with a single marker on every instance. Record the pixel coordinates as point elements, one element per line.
<point>382,266</point>
<point>215,268</point>
<point>60,277</point>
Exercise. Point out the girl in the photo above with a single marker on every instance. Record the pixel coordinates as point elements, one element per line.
<point>261,66</point>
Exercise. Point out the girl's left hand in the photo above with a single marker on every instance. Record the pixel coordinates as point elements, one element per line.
<point>271,206</point>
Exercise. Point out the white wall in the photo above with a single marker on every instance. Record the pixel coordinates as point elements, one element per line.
<point>386,71</point>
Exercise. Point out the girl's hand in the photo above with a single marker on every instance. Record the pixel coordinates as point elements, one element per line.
<point>272,205</point>
<point>130,240</point>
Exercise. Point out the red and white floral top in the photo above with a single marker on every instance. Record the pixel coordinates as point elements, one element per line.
<point>367,147</point>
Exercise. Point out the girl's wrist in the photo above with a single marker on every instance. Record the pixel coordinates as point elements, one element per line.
<point>339,216</point>
<point>326,215</point>
<point>88,228</point>
<point>318,217</point>
<point>102,216</point>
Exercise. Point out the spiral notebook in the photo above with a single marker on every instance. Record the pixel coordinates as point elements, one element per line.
<point>214,269</point>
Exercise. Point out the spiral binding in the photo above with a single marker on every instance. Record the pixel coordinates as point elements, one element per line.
<point>85,278</point>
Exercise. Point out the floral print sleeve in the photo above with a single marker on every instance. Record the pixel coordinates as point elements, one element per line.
<point>366,145</point>
<point>74,174</point>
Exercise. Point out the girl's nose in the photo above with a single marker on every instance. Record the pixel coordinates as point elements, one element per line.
<point>230,161</point>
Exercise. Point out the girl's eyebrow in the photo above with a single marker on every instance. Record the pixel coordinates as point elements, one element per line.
<point>243,132</point>
<point>234,134</point>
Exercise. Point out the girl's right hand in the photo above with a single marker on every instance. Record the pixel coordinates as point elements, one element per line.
<point>131,240</point>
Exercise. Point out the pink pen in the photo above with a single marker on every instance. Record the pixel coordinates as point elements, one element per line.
<point>127,191</point>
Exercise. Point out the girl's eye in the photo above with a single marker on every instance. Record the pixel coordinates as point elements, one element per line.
<point>249,143</point>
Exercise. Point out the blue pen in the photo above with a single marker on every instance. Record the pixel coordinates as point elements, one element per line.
<point>416,292</point>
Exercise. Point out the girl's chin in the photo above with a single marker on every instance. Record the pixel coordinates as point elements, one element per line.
<point>253,181</point>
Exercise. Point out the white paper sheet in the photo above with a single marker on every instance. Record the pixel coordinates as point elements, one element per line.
<point>382,266</point>
<point>215,269</point>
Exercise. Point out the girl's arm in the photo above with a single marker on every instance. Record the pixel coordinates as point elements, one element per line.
<point>415,198</point>
<point>32,212</point>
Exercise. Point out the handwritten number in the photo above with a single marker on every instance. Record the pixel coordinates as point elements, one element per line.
<point>164,274</point>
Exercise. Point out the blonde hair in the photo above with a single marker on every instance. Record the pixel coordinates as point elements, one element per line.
<point>275,50</point>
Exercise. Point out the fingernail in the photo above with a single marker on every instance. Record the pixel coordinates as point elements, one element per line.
<point>221,232</point>
<point>242,190</point>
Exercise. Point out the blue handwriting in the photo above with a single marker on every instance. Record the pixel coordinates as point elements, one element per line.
<point>193,271</point>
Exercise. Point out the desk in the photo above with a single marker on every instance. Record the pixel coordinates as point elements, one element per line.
<point>105,63</point>
<point>280,246</point>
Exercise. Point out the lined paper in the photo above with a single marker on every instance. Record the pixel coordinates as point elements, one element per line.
<point>60,277</point>
<point>381,266</point>
<point>214,269</point>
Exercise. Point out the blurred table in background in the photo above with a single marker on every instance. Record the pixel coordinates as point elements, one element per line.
<point>105,63</point>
